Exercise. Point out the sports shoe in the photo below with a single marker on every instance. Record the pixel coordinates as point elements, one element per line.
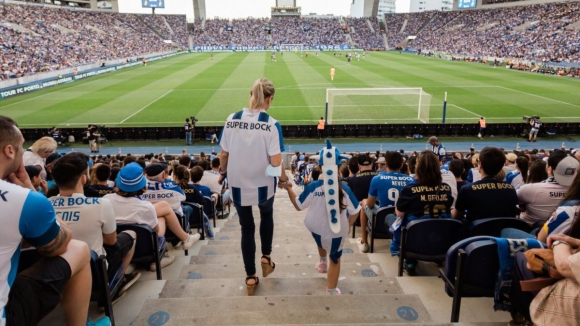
<point>363,247</point>
<point>335,291</point>
<point>128,281</point>
<point>409,269</point>
<point>105,321</point>
<point>321,266</point>
<point>191,239</point>
<point>165,261</point>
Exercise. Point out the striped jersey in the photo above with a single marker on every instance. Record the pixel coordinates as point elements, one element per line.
<point>250,138</point>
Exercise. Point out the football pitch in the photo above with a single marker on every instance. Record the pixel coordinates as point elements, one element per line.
<point>165,92</point>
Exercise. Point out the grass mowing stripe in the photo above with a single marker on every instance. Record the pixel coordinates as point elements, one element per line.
<point>220,105</point>
<point>186,100</point>
<point>69,104</point>
<point>285,74</point>
<point>137,93</point>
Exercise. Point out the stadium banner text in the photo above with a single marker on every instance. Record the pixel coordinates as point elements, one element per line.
<point>69,78</point>
<point>340,47</point>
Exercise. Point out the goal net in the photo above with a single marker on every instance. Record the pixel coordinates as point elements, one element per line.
<point>292,48</point>
<point>377,105</point>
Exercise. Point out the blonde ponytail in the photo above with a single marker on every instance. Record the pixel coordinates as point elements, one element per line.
<point>261,90</point>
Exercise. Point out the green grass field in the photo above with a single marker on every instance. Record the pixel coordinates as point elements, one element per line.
<point>165,92</point>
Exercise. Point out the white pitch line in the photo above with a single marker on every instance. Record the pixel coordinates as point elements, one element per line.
<point>543,97</point>
<point>466,110</point>
<point>146,106</point>
<point>64,89</point>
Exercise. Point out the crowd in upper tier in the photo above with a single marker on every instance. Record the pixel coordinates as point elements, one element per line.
<point>544,32</point>
<point>37,39</point>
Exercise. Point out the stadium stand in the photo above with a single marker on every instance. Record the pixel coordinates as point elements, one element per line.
<point>38,39</point>
<point>363,36</point>
<point>543,32</point>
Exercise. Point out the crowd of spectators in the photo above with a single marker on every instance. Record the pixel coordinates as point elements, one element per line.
<point>363,37</point>
<point>539,33</point>
<point>307,31</point>
<point>395,23</point>
<point>39,39</point>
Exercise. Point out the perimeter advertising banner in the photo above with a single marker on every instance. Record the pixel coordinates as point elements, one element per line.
<point>153,3</point>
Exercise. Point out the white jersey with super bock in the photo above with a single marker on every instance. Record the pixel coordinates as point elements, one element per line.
<point>251,138</point>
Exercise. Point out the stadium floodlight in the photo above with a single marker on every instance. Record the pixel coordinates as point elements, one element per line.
<point>292,47</point>
<point>376,105</point>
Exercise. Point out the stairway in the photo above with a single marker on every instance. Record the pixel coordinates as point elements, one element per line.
<point>207,287</point>
<point>370,26</point>
<point>210,290</point>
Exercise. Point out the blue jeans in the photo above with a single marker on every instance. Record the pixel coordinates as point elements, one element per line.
<point>248,230</point>
<point>188,137</point>
<point>511,233</point>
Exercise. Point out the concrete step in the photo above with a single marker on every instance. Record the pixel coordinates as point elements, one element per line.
<point>277,249</point>
<point>297,270</point>
<point>235,287</point>
<point>285,310</point>
<point>298,236</point>
<point>288,259</point>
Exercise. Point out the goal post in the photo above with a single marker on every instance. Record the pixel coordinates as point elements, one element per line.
<point>377,105</point>
<point>292,47</point>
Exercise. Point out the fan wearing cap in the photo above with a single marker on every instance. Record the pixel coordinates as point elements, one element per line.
<point>130,208</point>
<point>510,162</point>
<point>436,147</point>
<point>161,189</point>
<point>315,197</point>
<point>361,181</point>
<point>488,197</point>
<point>537,201</point>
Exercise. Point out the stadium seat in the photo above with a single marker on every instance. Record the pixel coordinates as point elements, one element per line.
<point>428,239</point>
<point>171,237</point>
<point>220,207</point>
<point>104,290</point>
<point>149,246</point>
<point>492,226</point>
<point>209,207</point>
<point>376,225</point>
<point>196,218</point>
<point>470,271</point>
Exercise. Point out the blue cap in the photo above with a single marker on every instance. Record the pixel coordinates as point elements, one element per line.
<point>131,178</point>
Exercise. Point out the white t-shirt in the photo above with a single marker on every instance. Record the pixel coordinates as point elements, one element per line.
<point>133,210</point>
<point>251,138</point>
<point>449,179</point>
<point>26,215</point>
<point>88,218</point>
<point>316,220</point>
<point>31,158</point>
<point>210,179</point>
<point>541,199</point>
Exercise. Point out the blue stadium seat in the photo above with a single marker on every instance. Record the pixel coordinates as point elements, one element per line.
<point>376,225</point>
<point>470,270</point>
<point>104,290</point>
<point>196,218</point>
<point>428,239</point>
<point>209,207</point>
<point>148,247</point>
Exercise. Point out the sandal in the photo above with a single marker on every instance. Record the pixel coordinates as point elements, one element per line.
<point>251,287</point>
<point>269,267</point>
